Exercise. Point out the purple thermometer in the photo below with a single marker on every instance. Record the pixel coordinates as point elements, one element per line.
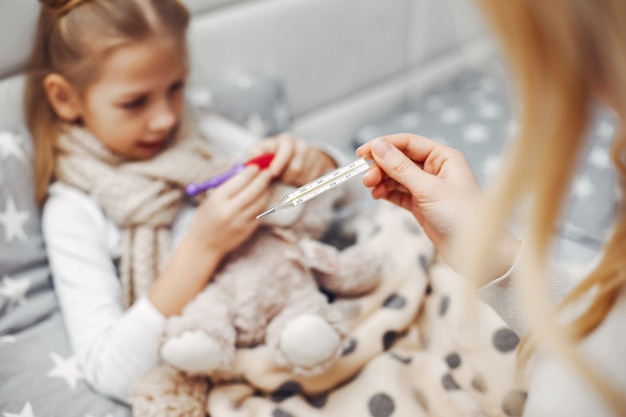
<point>262,161</point>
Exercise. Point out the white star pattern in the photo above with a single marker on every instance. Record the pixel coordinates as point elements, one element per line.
<point>475,133</point>
<point>439,139</point>
<point>409,121</point>
<point>599,158</point>
<point>434,103</point>
<point>512,129</point>
<point>489,111</point>
<point>8,339</point>
<point>605,130</point>
<point>492,165</point>
<point>10,146</point>
<point>617,193</point>
<point>487,85</point>
<point>67,369</point>
<point>369,132</point>
<point>452,115</point>
<point>281,114</point>
<point>257,125</point>
<point>27,411</point>
<point>13,221</point>
<point>583,187</point>
<point>244,82</point>
<point>14,289</point>
<point>201,98</point>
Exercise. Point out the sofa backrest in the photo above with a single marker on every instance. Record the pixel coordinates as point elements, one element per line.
<point>324,50</point>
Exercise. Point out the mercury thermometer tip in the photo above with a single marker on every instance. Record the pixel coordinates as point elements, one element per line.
<point>265,213</point>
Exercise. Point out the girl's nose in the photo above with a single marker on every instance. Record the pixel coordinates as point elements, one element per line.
<point>164,117</point>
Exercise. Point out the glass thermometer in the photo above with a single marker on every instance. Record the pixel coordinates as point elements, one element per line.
<point>320,185</point>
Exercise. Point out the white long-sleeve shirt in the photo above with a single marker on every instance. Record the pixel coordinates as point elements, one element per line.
<point>113,346</point>
<point>555,389</point>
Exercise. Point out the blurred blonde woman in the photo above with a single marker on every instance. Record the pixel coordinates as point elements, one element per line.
<point>566,56</point>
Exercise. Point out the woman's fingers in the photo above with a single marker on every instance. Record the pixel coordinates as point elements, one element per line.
<point>397,166</point>
<point>415,147</point>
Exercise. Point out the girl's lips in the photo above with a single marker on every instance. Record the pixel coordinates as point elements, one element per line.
<point>151,145</point>
<point>155,144</point>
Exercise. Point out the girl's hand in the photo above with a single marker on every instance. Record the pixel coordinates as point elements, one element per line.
<point>432,181</point>
<point>227,216</point>
<point>223,221</point>
<point>295,161</point>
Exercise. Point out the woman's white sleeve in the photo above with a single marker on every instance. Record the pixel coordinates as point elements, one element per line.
<point>502,294</point>
<point>113,346</point>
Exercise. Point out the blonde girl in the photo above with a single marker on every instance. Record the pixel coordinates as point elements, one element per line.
<point>566,56</point>
<point>104,103</point>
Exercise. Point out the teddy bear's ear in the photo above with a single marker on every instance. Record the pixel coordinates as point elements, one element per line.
<point>285,217</point>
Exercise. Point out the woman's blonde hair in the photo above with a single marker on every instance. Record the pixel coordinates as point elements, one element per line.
<point>564,55</point>
<point>72,38</point>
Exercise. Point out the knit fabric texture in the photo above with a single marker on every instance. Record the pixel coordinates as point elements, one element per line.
<point>141,197</point>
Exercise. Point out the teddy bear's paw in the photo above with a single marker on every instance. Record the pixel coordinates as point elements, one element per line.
<point>197,352</point>
<point>309,344</point>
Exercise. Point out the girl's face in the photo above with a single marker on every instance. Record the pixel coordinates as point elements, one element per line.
<point>135,106</point>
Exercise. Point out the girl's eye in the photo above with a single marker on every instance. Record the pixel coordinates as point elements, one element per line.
<point>135,104</point>
<point>177,86</point>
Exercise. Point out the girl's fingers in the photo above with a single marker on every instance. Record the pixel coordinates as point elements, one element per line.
<point>253,190</point>
<point>254,209</point>
<point>285,145</point>
<point>235,184</point>
<point>262,146</point>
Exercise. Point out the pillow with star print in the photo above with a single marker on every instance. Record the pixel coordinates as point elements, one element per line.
<point>26,293</point>
<point>40,374</point>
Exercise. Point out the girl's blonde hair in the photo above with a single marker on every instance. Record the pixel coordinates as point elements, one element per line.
<point>564,55</point>
<point>72,39</point>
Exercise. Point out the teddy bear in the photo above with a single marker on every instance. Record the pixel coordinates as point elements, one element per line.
<point>266,292</point>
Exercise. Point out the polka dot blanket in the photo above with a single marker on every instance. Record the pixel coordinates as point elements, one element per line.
<point>415,348</point>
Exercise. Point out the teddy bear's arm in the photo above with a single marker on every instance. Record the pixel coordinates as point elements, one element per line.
<point>350,272</point>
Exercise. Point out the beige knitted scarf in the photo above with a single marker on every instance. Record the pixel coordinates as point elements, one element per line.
<point>141,197</point>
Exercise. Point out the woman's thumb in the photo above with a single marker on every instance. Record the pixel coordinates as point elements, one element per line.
<point>396,164</point>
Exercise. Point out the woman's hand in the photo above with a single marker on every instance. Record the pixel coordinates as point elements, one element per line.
<point>295,161</point>
<point>432,181</point>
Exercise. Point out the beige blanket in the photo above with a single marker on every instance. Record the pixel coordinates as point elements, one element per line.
<point>412,352</point>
